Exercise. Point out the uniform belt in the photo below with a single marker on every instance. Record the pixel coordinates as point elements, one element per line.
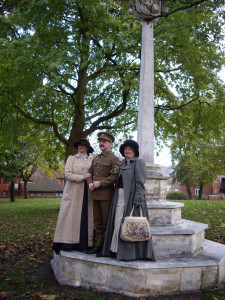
<point>98,178</point>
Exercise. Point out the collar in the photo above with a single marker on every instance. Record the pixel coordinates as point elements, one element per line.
<point>122,163</point>
<point>106,153</point>
<point>81,155</point>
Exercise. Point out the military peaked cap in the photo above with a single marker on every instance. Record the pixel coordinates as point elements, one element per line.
<point>106,136</point>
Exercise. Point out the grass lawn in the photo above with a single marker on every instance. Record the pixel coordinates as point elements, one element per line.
<point>26,234</point>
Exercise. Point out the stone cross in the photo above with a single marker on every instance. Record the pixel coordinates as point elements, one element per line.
<point>147,11</point>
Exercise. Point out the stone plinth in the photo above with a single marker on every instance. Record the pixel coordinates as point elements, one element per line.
<point>142,278</point>
<point>187,238</point>
<point>155,185</point>
<point>164,213</point>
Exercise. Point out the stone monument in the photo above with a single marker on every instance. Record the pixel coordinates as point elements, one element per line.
<point>185,260</point>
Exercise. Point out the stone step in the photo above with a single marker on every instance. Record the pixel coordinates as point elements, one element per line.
<point>187,237</point>
<point>166,276</point>
<point>164,213</point>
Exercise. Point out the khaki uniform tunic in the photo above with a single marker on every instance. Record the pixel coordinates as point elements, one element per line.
<point>104,168</point>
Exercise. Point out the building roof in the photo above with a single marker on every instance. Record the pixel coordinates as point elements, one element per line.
<point>42,183</point>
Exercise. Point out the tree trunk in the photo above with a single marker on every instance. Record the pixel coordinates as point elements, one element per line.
<point>79,98</point>
<point>25,189</point>
<point>201,191</point>
<point>12,191</point>
<point>70,150</point>
<point>189,192</point>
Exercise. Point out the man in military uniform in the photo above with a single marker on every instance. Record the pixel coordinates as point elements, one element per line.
<point>104,172</point>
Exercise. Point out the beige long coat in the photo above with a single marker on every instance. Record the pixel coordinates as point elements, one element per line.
<point>69,218</point>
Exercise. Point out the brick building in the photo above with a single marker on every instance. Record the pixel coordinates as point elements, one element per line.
<point>214,191</point>
<point>39,185</point>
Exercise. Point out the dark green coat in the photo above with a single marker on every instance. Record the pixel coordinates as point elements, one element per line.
<point>134,176</point>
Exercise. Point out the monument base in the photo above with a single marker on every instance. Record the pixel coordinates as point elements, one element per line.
<point>166,276</point>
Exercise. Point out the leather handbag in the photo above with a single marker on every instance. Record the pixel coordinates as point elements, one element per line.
<point>135,229</point>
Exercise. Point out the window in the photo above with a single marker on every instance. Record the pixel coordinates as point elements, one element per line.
<point>58,194</point>
<point>197,191</point>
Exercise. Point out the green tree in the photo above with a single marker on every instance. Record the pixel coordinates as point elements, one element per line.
<point>184,175</point>
<point>31,160</point>
<point>23,150</point>
<point>73,66</point>
<point>199,160</point>
<point>10,166</point>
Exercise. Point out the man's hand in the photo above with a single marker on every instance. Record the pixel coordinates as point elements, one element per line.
<point>94,185</point>
<point>91,186</point>
<point>97,184</point>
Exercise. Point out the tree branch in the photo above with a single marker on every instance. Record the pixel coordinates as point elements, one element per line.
<point>113,127</point>
<point>165,15</point>
<point>119,109</point>
<point>104,109</point>
<point>175,107</point>
<point>166,71</point>
<point>97,73</point>
<point>43,122</point>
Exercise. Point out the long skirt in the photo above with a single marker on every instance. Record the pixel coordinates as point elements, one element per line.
<point>82,245</point>
<point>118,219</point>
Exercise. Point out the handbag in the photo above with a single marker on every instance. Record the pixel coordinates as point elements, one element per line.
<point>135,229</point>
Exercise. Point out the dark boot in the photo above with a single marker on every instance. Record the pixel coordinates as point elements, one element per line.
<point>99,253</point>
<point>98,246</point>
<point>94,250</point>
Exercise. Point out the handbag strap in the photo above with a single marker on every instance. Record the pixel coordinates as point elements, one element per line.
<point>141,214</point>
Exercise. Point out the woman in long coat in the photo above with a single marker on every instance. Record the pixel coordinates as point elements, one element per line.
<point>74,228</point>
<point>129,192</point>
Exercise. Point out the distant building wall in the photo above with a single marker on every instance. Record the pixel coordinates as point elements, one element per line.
<point>215,188</point>
<point>51,188</point>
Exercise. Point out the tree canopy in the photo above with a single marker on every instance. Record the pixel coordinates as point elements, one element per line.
<point>72,67</point>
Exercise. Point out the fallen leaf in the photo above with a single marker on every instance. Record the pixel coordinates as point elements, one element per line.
<point>35,295</point>
<point>48,297</point>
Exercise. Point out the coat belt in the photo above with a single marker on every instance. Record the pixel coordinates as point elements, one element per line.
<point>98,178</point>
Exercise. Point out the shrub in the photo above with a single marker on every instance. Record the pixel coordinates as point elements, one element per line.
<point>176,196</point>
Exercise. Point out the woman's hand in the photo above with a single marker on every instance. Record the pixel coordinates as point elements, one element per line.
<point>87,175</point>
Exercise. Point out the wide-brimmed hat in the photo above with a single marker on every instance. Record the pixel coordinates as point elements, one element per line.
<point>84,142</point>
<point>132,144</point>
<point>106,136</point>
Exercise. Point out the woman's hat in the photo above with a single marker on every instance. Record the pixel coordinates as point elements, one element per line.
<point>84,142</point>
<point>132,144</point>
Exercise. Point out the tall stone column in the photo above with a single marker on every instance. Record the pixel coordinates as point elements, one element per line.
<point>160,210</point>
<point>146,96</point>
